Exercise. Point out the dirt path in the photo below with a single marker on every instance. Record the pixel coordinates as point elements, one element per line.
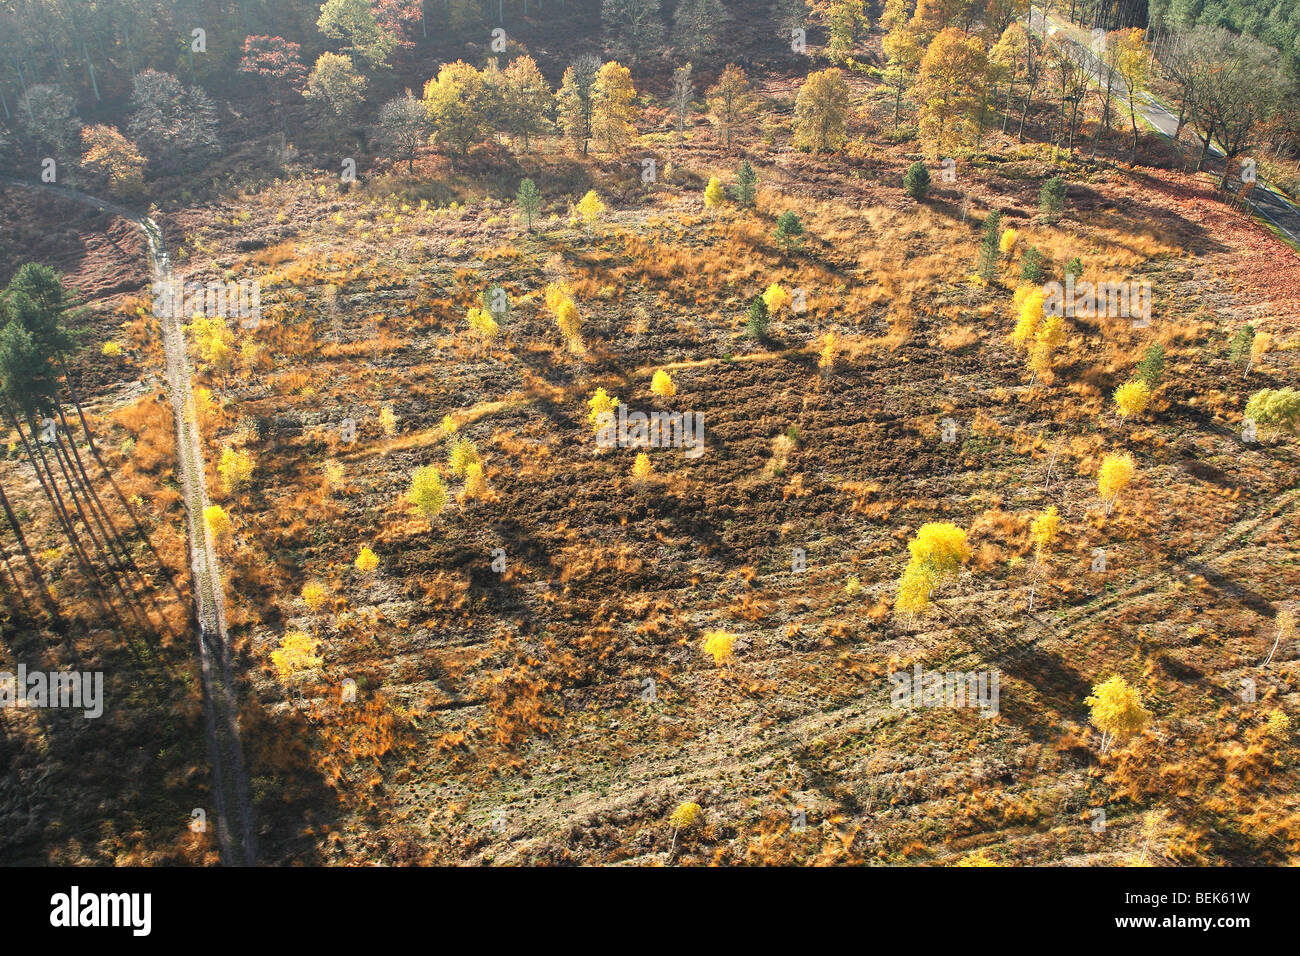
<point>220,700</point>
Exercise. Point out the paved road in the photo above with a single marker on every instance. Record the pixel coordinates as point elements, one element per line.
<point>220,701</point>
<point>1269,203</point>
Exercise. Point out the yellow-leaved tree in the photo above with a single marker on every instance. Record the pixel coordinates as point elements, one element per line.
<point>719,644</point>
<point>589,209</point>
<point>214,341</point>
<point>821,109</point>
<point>108,152</point>
<point>641,468</point>
<point>463,454</point>
<point>1113,477</point>
<point>1116,710</point>
<point>314,595</point>
<point>613,107</point>
<point>830,348</point>
<point>1132,398</point>
<point>599,405</point>
<point>686,816</point>
<point>949,83</point>
<point>938,550</point>
<point>217,521</point>
<point>1258,346</point>
<point>295,656</point>
<point>235,468</point>
<point>713,193</point>
<point>1027,305</point>
<point>1008,240</point>
<point>483,326</point>
<point>776,298</point>
<point>731,103</point>
<point>366,560</point>
<point>559,299</point>
<point>475,483</point>
<point>427,492</point>
<point>1043,531</point>
<point>662,385</point>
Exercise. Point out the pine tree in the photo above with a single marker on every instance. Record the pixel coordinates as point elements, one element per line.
<point>1051,199</point>
<point>757,322</point>
<point>1151,367</point>
<point>530,201</point>
<point>745,188</point>
<point>1241,344</point>
<point>1031,265</point>
<point>917,181</point>
<point>789,231</point>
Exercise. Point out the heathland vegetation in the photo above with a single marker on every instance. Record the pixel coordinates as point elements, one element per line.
<point>603,403</point>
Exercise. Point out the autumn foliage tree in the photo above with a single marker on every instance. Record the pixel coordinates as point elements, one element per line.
<point>335,90</point>
<point>525,100</point>
<point>1113,477</point>
<point>455,101</point>
<point>295,657</point>
<point>938,550</point>
<point>731,103</point>
<point>1132,62</point>
<point>821,111</point>
<point>614,112</point>
<point>1132,397</point>
<point>1117,710</point>
<point>903,53</point>
<point>952,73</point>
<point>1043,531</point>
<point>276,61</point>
<point>113,156</point>
<point>575,100</point>
<point>427,491</point>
